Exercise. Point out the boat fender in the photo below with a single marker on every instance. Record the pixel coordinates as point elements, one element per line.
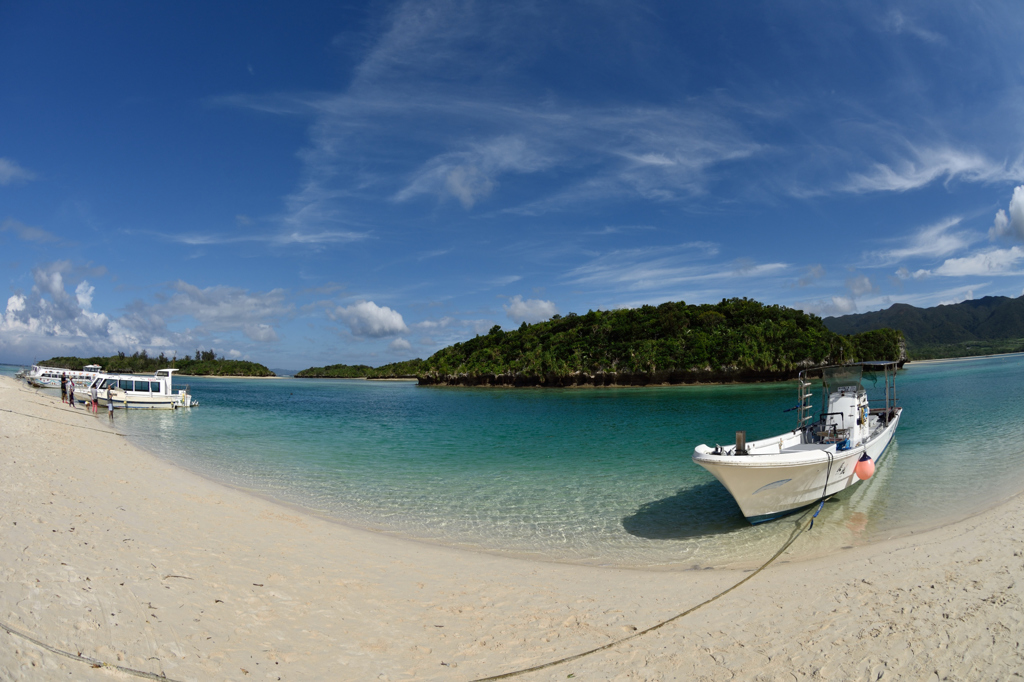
<point>865,467</point>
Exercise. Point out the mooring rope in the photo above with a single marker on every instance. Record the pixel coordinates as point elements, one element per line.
<point>824,491</point>
<point>95,663</point>
<point>801,527</point>
<point>74,426</point>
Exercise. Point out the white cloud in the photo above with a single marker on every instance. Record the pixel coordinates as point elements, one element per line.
<point>83,293</point>
<point>400,345</point>
<point>860,285</point>
<point>262,333</point>
<point>831,307</point>
<point>50,321</point>
<point>234,354</point>
<point>530,311</point>
<point>983,264</point>
<point>967,296</point>
<point>10,172</point>
<point>366,318</point>
<point>1011,225</point>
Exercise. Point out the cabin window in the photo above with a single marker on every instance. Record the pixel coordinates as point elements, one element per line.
<point>154,386</point>
<point>124,384</point>
<point>110,383</point>
<point>142,386</point>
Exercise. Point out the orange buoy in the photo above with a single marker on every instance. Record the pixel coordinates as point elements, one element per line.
<point>865,468</point>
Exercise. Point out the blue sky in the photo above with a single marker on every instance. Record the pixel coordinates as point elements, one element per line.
<point>303,184</point>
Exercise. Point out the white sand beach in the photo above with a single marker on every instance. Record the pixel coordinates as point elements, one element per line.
<point>116,554</point>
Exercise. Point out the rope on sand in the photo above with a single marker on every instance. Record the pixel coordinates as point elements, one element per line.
<point>74,426</point>
<point>95,663</point>
<point>801,527</point>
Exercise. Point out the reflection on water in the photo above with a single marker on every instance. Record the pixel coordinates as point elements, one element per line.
<point>597,476</point>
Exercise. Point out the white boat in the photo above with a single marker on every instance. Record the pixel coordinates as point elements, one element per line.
<point>775,476</point>
<point>141,391</point>
<point>41,376</point>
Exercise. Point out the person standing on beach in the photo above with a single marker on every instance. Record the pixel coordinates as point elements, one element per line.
<point>64,387</point>
<point>110,401</point>
<point>71,393</point>
<point>95,399</point>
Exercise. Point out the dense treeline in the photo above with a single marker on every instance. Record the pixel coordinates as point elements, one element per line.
<point>204,363</point>
<point>993,324</point>
<point>672,342</point>
<point>335,372</point>
<point>406,368</point>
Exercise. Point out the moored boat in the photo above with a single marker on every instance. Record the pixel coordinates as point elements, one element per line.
<point>41,376</point>
<point>775,476</point>
<point>142,391</point>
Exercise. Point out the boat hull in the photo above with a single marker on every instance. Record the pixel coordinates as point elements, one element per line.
<point>143,403</point>
<point>770,486</point>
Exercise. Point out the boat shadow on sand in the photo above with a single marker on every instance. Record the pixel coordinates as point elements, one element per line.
<point>704,509</point>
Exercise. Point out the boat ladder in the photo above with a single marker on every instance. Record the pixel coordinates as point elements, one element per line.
<point>803,414</point>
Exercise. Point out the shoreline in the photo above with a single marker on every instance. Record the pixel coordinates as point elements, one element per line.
<point>130,559</point>
<point>964,358</point>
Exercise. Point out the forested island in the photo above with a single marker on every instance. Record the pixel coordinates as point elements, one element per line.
<point>735,340</point>
<point>204,363</point>
<point>407,369</point>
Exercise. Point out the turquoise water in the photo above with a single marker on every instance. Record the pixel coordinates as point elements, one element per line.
<point>582,475</point>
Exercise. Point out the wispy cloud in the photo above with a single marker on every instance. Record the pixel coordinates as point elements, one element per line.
<point>652,268</point>
<point>471,175</point>
<point>11,172</point>
<point>27,232</point>
<point>278,239</point>
<point>932,241</point>
<point>920,167</point>
<point>897,22</point>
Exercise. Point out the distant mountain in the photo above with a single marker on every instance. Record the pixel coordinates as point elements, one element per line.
<point>986,325</point>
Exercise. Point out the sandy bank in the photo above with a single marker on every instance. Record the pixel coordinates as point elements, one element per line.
<point>123,557</point>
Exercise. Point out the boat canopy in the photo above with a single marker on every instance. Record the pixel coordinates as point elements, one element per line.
<point>843,375</point>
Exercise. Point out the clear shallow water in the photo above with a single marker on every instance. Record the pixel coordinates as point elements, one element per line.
<point>590,476</point>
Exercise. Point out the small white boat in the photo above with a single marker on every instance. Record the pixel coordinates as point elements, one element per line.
<point>41,376</point>
<point>775,476</point>
<point>141,391</point>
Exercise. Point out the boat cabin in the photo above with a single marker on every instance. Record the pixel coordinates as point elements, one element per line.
<point>135,391</point>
